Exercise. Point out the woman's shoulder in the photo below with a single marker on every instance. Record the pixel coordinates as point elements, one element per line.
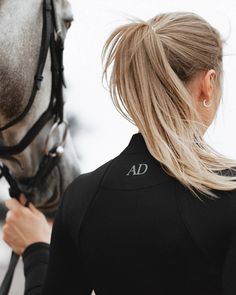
<point>79,194</point>
<point>77,199</point>
<point>86,183</point>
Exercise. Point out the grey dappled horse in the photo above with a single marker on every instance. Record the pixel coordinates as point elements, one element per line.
<point>21,25</point>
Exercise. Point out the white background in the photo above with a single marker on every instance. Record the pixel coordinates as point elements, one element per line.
<point>103,132</point>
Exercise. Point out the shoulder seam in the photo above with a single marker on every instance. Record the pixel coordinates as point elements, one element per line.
<point>90,203</point>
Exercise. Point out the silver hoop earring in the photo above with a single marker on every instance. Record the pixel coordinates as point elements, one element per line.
<point>207,105</point>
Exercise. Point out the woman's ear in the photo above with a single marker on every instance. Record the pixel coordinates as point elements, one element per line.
<point>207,85</point>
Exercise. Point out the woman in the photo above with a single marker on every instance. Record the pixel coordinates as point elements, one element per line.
<point>160,218</point>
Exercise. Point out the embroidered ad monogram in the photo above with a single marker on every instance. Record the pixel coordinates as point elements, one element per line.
<point>139,169</point>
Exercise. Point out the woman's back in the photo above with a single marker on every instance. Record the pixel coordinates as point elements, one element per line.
<point>141,232</point>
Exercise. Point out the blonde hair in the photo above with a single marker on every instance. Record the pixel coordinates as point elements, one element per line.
<point>152,63</point>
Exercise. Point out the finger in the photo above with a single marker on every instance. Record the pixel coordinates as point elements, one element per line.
<point>12,220</point>
<point>7,232</point>
<point>12,204</point>
<point>6,238</point>
<point>34,209</point>
<point>50,222</point>
<point>23,199</point>
<point>5,228</point>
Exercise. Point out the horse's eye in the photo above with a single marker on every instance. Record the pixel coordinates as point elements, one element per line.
<point>68,23</point>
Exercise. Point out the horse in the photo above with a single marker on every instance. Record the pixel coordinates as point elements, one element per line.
<point>36,149</point>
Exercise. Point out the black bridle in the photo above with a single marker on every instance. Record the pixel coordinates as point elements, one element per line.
<point>51,39</point>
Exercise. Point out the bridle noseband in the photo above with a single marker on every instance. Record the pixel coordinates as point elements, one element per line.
<point>51,39</point>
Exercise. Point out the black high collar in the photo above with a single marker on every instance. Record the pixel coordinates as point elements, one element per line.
<point>136,144</point>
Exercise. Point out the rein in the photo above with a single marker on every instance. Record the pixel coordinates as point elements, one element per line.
<point>51,40</point>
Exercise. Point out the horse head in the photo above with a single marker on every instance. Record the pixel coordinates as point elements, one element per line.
<point>22,26</point>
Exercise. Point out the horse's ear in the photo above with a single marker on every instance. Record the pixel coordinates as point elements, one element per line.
<point>66,10</point>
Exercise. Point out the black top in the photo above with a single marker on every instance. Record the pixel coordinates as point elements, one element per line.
<point>128,228</point>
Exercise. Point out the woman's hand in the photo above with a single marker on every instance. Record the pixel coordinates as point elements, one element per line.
<point>24,226</point>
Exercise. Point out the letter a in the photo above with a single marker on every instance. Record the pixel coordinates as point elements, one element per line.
<point>132,170</point>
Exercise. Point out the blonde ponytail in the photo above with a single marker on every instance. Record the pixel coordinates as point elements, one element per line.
<point>152,63</point>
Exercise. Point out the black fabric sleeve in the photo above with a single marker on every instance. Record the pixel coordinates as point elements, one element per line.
<point>35,259</point>
<point>65,274</point>
<point>56,269</point>
<point>229,269</point>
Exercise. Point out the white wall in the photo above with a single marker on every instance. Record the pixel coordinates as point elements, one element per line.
<point>104,132</point>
